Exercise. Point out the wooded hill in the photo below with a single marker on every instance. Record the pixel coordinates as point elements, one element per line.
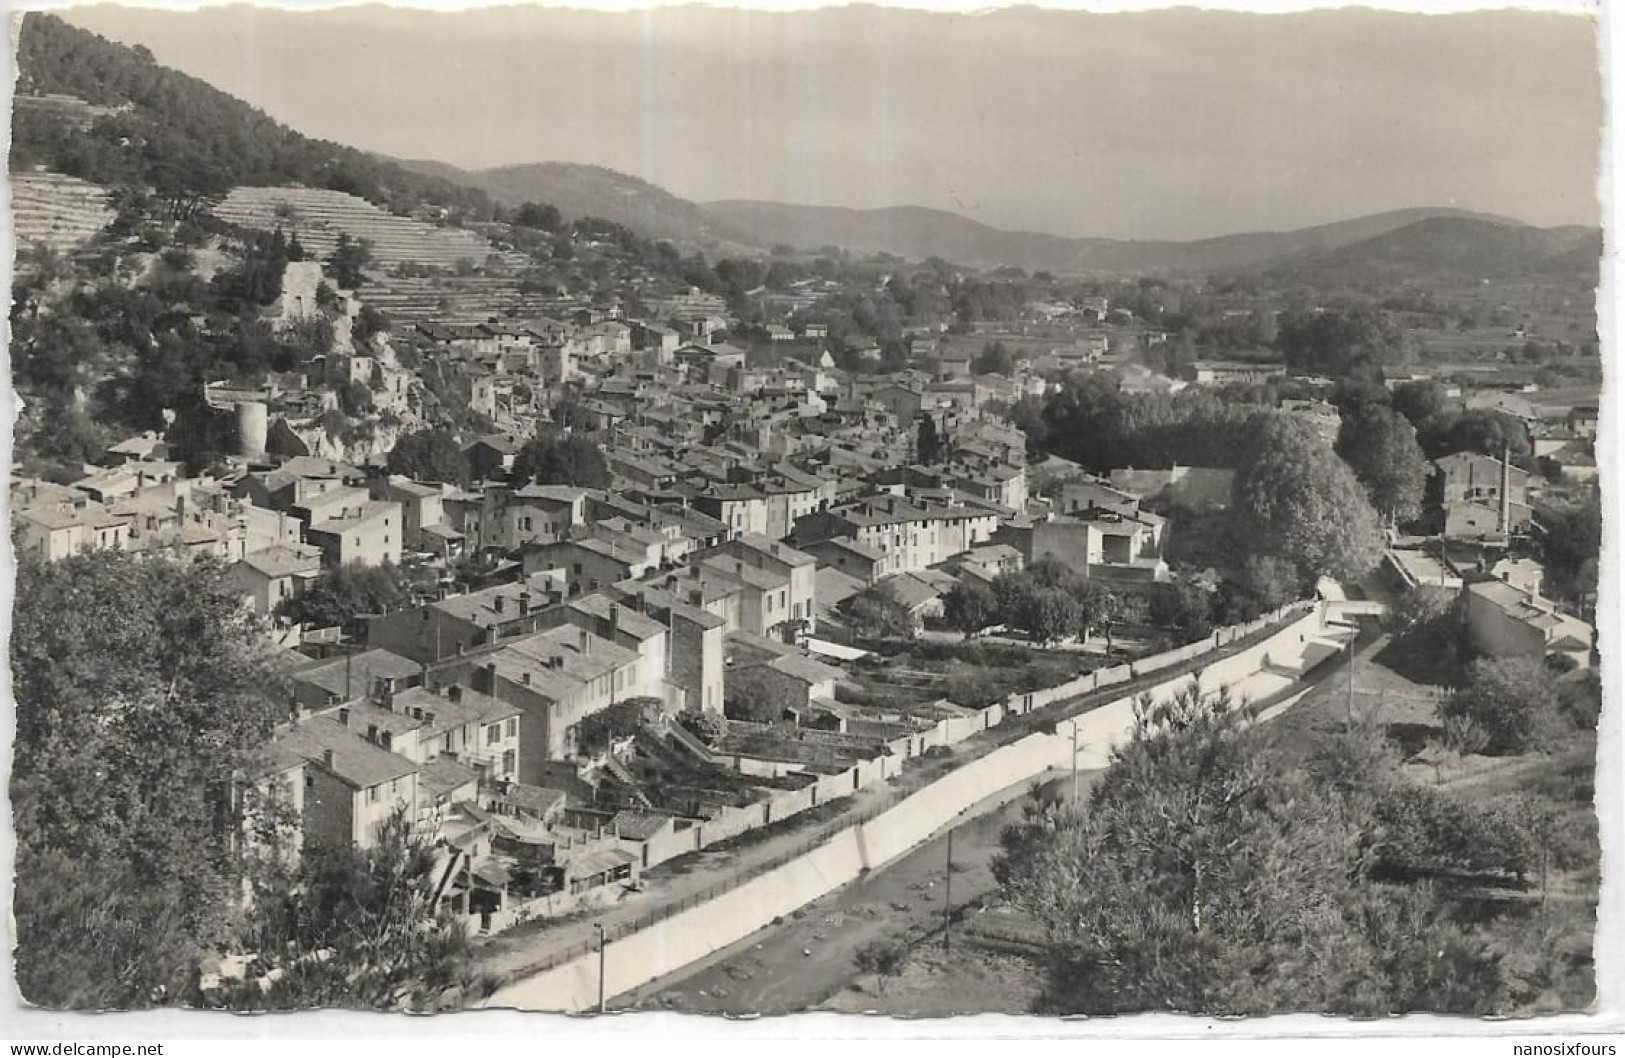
<point>187,140</point>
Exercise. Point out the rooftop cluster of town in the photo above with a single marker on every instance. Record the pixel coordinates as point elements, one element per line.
<point>538,710</point>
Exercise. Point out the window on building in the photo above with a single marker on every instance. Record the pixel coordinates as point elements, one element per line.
<point>447,742</point>
<point>372,793</point>
<point>513,726</point>
<point>507,762</point>
<point>493,734</point>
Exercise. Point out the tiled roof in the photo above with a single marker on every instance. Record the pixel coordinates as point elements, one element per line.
<point>355,760</point>
<point>363,669</point>
<point>538,800</point>
<point>284,561</point>
<point>638,826</point>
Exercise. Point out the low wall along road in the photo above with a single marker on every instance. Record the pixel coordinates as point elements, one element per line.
<point>1266,670</point>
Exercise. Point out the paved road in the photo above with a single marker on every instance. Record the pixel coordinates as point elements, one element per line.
<point>518,951</point>
<point>771,972</point>
<point>799,964</point>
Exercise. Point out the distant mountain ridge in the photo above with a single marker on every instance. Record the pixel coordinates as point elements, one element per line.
<point>917,233</point>
<point>593,191</point>
<point>1499,244</point>
<point>1452,247</point>
<point>1397,246</point>
<point>914,232</point>
<point>199,143</point>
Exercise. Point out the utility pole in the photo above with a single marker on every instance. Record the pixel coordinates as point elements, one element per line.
<point>599,926</point>
<point>948,897</point>
<point>1074,760</point>
<point>1352,640</point>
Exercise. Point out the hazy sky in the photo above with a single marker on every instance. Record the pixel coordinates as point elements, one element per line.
<point>1170,124</point>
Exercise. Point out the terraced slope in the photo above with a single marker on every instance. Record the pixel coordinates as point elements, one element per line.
<point>56,211</point>
<point>320,216</point>
<point>451,299</point>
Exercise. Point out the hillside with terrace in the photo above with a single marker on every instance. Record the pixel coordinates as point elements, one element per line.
<point>56,212</point>
<point>453,298</point>
<point>320,216</point>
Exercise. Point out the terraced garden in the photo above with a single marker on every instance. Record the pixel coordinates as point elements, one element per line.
<point>55,211</point>
<point>319,216</point>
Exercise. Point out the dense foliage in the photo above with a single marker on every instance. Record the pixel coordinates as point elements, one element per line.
<point>1205,876</point>
<point>562,461</point>
<point>1049,601</point>
<point>1294,499</point>
<point>877,613</point>
<point>1380,446</point>
<point>1571,538</point>
<point>97,351</point>
<point>352,927</point>
<point>752,696</point>
<point>707,725</point>
<point>140,689</point>
<point>429,455</point>
<point>342,595</point>
<point>1091,421</point>
<point>970,606</point>
<point>143,689</point>
<point>1512,700</point>
<point>597,731</point>
<point>1349,340</point>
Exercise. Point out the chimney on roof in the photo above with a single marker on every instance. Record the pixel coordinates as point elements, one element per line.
<point>524,603</point>
<point>489,679</point>
<point>385,739</point>
<point>454,692</point>
<point>344,715</point>
<point>524,677</point>
<point>586,642</point>
<point>428,717</point>
<point>614,617</point>
<point>327,759</point>
<point>496,603</point>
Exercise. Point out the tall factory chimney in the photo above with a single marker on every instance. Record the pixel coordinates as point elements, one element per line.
<point>1505,524</point>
